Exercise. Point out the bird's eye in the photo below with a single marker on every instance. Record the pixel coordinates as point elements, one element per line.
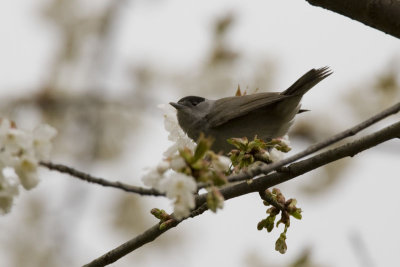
<point>194,103</point>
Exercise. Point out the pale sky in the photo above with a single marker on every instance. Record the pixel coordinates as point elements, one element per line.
<point>174,34</point>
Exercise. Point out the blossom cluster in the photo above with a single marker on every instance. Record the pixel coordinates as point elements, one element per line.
<point>248,152</point>
<point>178,186</point>
<point>20,154</point>
<point>187,163</point>
<point>165,177</point>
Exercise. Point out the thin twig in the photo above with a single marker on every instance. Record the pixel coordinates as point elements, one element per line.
<point>146,237</point>
<point>259,184</point>
<point>265,169</point>
<point>273,202</point>
<point>309,164</point>
<point>91,179</point>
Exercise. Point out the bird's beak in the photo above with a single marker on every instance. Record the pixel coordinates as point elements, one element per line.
<point>176,105</point>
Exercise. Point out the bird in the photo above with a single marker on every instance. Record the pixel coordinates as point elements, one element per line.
<point>265,115</point>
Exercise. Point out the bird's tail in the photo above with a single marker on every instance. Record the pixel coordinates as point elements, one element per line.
<point>307,81</point>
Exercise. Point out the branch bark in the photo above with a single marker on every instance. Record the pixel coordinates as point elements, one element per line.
<point>235,178</point>
<point>146,237</point>
<point>91,179</point>
<point>265,169</point>
<point>383,15</point>
<point>301,167</point>
<point>258,184</point>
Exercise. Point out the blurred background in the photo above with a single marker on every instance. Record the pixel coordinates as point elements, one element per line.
<point>96,71</point>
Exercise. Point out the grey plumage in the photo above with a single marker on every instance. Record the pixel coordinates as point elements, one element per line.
<point>267,115</point>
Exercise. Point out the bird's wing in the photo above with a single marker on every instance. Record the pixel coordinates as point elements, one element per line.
<point>228,108</point>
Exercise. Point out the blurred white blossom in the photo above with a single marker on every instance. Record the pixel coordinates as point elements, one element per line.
<point>165,177</point>
<point>168,178</point>
<point>42,136</point>
<point>8,189</point>
<point>222,163</point>
<point>21,151</point>
<point>275,154</point>
<point>177,163</point>
<point>177,186</point>
<point>154,176</point>
<point>27,172</point>
<point>176,134</point>
<point>285,140</point>
<point>180,188</point>
<point>163,166</point>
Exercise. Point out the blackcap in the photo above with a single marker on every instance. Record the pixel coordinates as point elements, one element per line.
<point>267,115</point>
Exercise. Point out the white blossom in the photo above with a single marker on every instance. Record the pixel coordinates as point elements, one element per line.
<point>27,172</point>
<point>167,179</point>
<point>285,140</point>
<point>177,163</point>
<point>276,155</point>
<point>154,176</point>
<point>8,190</point>
<point>222,163</point>
<point>177,186</point>
<point>13,141</point>
<point>176,134</point>
<point>42,136</point>
<point>163,166</point>
<point>21,151</point>
<point>180,188</point>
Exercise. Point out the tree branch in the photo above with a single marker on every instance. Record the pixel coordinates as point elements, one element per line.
<point>146,237</point>
<point>259,184</point>
<point>265,169</point>
<point>91,179</point>
<point>273,202</point>
<point>301,167</point>
<point>383,15</point>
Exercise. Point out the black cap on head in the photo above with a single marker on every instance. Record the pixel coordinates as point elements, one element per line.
<point>191,100</point>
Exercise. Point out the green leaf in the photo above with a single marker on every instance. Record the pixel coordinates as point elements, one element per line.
<point>219,179</point>
<point>256,145</point>
<point>297,214</point>
<point>199,165</point>
<point>203,145</point>
<point>239,143</point>
<point>215,200</point>
<point>186,154</point>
